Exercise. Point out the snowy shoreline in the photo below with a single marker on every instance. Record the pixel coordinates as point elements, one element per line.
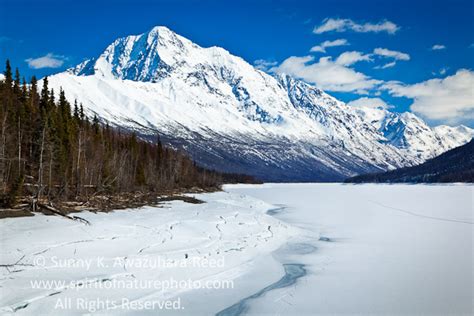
<point>224,239</point>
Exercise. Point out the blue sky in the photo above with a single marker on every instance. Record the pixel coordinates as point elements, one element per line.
<point>45,37</point>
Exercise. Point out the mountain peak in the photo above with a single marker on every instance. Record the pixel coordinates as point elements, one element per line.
<point>160,28</point>
<point>140,57</point>
<point>161,31</point>
<point>164,34</point>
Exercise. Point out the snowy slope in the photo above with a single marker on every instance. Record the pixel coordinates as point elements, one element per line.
<point>455,165</point>
<point>233,117</point>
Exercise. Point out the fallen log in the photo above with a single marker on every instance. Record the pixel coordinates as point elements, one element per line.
<point>58,212</point>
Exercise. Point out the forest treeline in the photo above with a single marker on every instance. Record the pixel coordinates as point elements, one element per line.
<point>50,150</point>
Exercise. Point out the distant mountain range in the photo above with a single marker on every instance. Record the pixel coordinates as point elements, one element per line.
<point>233,117</point>
<point>455,165</point>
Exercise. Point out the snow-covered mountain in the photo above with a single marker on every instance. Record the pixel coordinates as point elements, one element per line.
<point>455,165</point>
<point>233,117</point>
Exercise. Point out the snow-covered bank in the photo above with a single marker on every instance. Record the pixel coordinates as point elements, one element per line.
<point>393,250</point>
<point>144,255</point>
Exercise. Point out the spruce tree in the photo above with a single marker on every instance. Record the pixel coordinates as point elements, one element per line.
<point>44,98</point>
<point>16,83</point>
<point>8,74</point>
<point>76,111</point>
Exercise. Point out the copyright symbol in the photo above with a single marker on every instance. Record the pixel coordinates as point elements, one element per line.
<point>39,261</point>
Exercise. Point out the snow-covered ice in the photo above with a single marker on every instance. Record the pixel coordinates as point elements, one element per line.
<point>390,249</point>
<point>287,249</point>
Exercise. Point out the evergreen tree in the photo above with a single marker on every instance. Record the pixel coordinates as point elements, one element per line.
<point>8,74</point>
<point>44,98</point>
<point>16,83</point>
<point>76,111</point>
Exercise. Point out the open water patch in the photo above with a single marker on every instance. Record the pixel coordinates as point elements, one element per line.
<point>293,271</point>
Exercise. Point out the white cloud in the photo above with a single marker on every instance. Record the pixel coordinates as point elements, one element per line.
<point>349,58</point>
<point>438,47</point>
<point>322,47</point>
<point>449,99</point>
<point>263,64</point>
<point>387,65</point>
<point>326,74</point>
<point>373,103</point>
<point>391,53</point>
<point>48,61</point>
<point>342,25</point>
<point>441,72</point>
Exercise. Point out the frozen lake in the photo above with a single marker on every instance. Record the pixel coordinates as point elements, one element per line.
<point>286,249</point>
<point>395,249</point>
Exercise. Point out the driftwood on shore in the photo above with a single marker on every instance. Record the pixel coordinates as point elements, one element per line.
<point>58,212</point>
<point>27,205</point>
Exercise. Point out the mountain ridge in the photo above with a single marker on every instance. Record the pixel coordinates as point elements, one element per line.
<point>455,165</point>
<point>219,107</point>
